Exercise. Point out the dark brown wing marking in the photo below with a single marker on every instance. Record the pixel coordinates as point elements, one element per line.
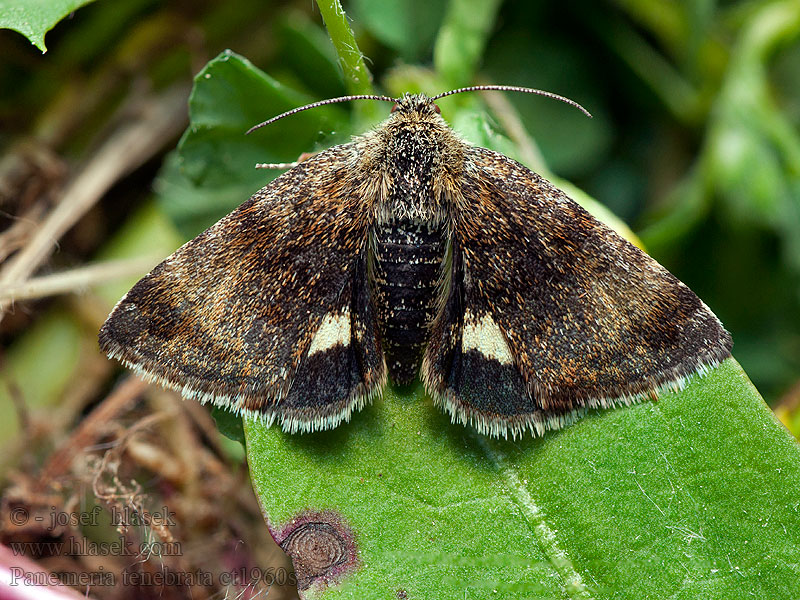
<point>551,312</point>
<point>232,316</point>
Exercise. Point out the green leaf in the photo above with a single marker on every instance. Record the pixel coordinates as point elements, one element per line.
<point>228,424</point>
<point>695,495</point>
<point>34,18</point>
<point>214,168</point>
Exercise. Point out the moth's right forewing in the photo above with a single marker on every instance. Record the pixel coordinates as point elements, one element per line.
<point>232,316</point>
<point>550,312</point>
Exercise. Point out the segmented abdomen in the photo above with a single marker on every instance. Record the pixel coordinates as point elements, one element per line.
<point>407,266</point>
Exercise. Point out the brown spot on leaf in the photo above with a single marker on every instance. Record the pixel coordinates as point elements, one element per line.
<point>322,548</point>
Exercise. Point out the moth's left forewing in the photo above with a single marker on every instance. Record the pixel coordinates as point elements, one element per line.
<point>549,312</point>
<point>267,312</point>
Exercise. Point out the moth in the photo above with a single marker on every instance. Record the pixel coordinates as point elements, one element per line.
<point>409,252</point>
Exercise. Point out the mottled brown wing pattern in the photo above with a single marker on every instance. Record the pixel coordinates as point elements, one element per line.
<point>549,312</point>
<point>268,311</point>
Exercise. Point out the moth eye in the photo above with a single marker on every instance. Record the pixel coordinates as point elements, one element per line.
<point>437,109</point>
<point>395,107</point>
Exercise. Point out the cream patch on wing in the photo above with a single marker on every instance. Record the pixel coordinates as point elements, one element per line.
<point>485,336</point>
<point>333,331</point>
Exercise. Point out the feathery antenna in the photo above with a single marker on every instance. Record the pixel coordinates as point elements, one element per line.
<point>320,103</point>
<point>473,88</point>
<point>514,88</point>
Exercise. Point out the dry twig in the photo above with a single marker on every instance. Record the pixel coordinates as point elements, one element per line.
<point>162,119</point>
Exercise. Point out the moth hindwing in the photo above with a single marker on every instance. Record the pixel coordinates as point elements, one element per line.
<point>408,252</point>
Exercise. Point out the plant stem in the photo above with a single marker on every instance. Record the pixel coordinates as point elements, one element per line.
<point>357,77</point>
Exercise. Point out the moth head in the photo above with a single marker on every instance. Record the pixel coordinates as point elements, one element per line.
<point>418,104</point>
<point>415,111</point>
